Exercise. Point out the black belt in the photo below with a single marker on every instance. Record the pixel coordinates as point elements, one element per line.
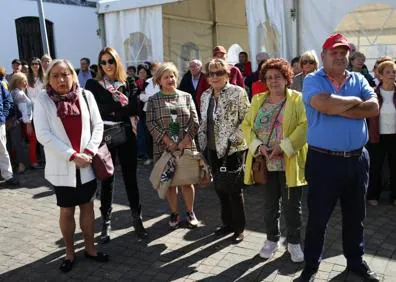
<point>354,153</point>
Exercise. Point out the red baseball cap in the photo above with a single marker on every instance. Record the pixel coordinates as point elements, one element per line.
<point>336,40</point>
<point>219,49</point>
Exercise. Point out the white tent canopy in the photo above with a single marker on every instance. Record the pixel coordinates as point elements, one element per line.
<point>134,28</point>
<point>273,29</point>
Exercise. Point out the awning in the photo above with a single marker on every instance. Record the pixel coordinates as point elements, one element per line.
<point>108,6</point>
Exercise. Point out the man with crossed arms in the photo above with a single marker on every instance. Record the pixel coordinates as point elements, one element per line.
<point>337,103</point>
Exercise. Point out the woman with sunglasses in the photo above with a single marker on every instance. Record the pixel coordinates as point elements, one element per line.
<point>35,79</point>
<point>276,127</point>
<point>308,63</point>
<point>115,95</point>
<point>223,107</point>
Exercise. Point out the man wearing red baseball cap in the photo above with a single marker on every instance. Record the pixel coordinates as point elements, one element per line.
<point>337,103</point>
<point>236,77</point>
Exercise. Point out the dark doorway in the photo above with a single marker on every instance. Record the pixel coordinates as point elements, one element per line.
<point>29,38</point>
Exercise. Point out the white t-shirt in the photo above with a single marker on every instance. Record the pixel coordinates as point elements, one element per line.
<point>387,113</point>
<point>32,92</point>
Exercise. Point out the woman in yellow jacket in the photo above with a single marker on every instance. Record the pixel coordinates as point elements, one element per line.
<point>275,127</point>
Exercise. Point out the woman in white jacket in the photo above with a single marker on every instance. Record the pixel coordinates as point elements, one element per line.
<point>150,90</point>
<point>63,123</point>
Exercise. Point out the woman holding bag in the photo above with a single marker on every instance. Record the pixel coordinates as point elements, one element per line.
<point>63,126</point>
<point>275,127</point>
<point>172,120</point>
<point>223,107</point>
<point>117,102</point>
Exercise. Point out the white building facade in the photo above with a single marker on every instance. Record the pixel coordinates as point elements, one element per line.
<point>71,25</point>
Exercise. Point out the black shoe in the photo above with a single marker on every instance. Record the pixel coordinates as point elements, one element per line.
<point>105,235</point>
<point>364,271</point>
<point>67,265</point>
<point>223,230</point>
<point>138,224</point>
<point>238,237</point>
<point>100,257</point>
<point>12,181</point>
<point>308,274</point>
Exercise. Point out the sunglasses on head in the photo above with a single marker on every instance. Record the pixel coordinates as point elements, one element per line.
<point>312,62</point>
<point>109,61</point>
<point>217,73</point>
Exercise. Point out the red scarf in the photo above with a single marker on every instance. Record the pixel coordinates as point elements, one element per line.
<point>66,104</point>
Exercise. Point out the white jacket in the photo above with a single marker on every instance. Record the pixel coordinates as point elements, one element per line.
<point>59,170</point>
<point>149,91</point>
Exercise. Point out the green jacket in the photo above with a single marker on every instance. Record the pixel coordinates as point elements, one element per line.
<point>294,142</point>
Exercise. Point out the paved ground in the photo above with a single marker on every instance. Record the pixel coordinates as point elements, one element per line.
<point>31,245</point>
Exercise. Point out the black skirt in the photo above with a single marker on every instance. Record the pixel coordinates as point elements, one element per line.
<point>67,197</point>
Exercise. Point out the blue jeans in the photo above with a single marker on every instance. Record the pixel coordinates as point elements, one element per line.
<point>332,178</point>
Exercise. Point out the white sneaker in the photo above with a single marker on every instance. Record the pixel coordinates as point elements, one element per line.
<point>268,249</point>
<point>148,162</point>
<point>373,203</point>
<point>296,252</point>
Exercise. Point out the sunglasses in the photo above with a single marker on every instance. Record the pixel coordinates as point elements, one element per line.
<point>109,61</point>
<point>217,73</point>
<point>312,62</point>
<point>35,64</point>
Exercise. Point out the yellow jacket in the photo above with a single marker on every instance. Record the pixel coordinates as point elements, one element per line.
<point>294,142</point>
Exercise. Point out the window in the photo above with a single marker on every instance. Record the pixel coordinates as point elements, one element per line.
<point>268,39</point>
<point>189,51</point>
<point>137,49</point>
<point>372,29</point>
<point>29,38</point>
<point>233,54</point>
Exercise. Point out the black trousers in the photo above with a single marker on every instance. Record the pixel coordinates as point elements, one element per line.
<point>386,147</point>
<point>127,156</point>
<point>277,195</point>
<point>330,179</point>
<point>231,202</point>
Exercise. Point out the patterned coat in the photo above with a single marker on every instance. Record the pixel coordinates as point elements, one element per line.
<point>158,118</point>
<point>233,104</point>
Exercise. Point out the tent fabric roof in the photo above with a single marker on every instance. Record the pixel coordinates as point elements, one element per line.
<point>108,6</point>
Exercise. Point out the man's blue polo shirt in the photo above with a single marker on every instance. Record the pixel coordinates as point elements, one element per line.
<point>331,132</point>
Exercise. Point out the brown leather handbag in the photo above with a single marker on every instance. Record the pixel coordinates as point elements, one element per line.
<point>260,172</point>
<point>259,166</point>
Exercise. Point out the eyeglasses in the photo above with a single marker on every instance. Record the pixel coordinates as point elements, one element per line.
<point>311,62</point>
<point>109,61</point>
<point>217,73</point>
<point>35,64</point>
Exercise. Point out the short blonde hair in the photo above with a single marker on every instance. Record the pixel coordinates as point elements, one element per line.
<point>16,79</point>
<point>120,73</point>
<point>168,66</point>
<point>219,64</point>
<point>3,71</point>
<point>309,55</point>
<point>55,63</point>
<point>383,65</point>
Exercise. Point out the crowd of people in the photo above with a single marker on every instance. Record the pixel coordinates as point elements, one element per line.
<point>311,125</point>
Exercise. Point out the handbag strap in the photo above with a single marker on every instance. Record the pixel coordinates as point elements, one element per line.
<point>89,110</point>
<point>273,124</point>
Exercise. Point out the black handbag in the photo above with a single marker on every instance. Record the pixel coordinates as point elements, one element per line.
<point>227,179</point>
<point>116,134</point>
